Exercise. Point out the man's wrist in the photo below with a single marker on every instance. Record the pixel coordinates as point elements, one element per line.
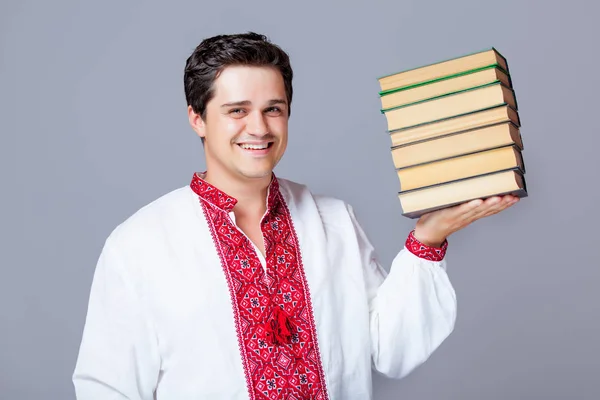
<point>425,251</point>
<point>428,239</point>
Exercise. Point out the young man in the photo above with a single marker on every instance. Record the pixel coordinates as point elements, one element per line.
<point>242,285</point>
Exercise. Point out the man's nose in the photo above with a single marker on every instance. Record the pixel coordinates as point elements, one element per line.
<point>257,124</point>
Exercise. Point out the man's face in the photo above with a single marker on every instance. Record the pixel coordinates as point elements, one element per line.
<point>246,123</point>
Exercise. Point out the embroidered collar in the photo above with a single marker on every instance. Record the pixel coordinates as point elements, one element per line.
<point>225,202</point>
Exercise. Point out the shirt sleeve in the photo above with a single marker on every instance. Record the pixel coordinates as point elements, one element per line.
<point>412,308</point>
<point>118,356</point>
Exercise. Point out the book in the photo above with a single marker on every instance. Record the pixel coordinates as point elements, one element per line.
<point>438,70</point>
<point>444,86</point>
<point>467,101</point>
<point>450,125</point>
<point>457,143</point>
<point>455,132</point>
<point>417,202</point>
<point>460,167</point>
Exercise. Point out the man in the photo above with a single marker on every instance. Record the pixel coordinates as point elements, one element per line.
<point>242,285</point>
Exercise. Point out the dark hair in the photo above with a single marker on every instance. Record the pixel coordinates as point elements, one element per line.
<point>215,53</point>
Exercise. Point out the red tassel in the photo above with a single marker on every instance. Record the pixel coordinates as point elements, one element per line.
<point>279,327</point>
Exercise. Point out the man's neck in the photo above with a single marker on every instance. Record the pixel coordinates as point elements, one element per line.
<point>251,194</point>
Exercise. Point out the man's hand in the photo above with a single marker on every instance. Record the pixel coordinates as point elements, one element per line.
<point>433,228</point>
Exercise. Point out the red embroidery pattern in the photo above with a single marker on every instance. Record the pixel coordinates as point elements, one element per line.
<point>423,251</point>
<point>272,308</point>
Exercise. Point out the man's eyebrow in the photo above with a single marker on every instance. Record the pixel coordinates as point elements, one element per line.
<point>277,101</point>
<point>237,103</point>
<point>248,102</point>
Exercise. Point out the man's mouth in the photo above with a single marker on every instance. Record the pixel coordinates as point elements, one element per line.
<point>258,146</point>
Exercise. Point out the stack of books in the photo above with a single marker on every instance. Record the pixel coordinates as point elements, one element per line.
<point>455,132</point>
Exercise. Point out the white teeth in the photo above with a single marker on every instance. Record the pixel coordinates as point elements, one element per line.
<point>254,146</point>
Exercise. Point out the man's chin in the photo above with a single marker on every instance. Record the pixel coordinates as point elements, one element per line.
<point>257,174</point>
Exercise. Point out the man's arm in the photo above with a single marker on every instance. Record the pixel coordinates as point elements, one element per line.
<point>412,309</point>
<point>118,357</point>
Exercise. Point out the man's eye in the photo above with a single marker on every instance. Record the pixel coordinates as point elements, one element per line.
<point>274,110</point>
<point>236,111</point>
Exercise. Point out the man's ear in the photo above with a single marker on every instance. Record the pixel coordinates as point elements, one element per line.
<point>196,122</point>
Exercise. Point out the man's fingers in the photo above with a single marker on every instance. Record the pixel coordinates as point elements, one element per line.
<point>459,216</point>
<point>492,206</point>
<point>506,203</point>
<point>468,207</point>
<point>496,207</point>
<point>464,210</point>
<point>481,209</point>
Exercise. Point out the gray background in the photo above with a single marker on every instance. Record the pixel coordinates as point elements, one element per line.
<point>93,126</point>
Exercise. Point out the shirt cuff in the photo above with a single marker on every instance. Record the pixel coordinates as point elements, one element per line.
<point>423,251</point>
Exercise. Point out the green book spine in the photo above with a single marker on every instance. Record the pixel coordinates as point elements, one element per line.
<point>383,111</point>
<point>448,59</point>
<point>443,78</point>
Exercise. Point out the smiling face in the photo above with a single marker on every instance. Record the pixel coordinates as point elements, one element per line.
<point>245,128</point>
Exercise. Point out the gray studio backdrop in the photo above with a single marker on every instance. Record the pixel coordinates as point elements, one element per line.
<point>93,126</point>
